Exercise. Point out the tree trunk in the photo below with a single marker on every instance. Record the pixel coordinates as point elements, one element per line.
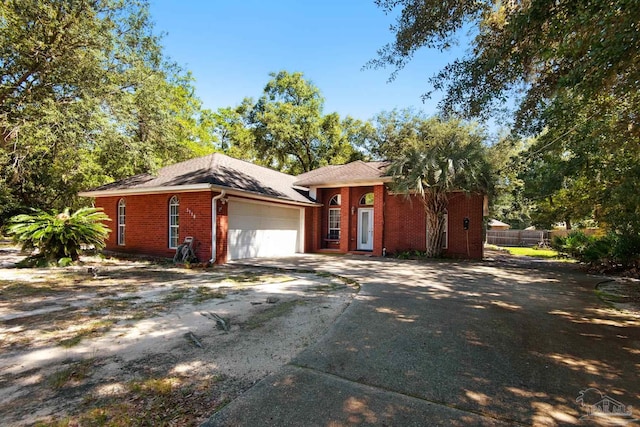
<point>435,207</point>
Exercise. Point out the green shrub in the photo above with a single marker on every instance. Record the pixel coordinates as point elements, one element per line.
<point>610,251</point>
<point>59,236</point>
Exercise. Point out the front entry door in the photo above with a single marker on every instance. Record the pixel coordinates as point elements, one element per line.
<point>365,229</point>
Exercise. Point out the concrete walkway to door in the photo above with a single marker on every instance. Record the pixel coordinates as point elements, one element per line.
<point>453,343</point>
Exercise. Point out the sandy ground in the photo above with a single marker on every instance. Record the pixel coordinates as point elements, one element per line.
<point>77,347</point>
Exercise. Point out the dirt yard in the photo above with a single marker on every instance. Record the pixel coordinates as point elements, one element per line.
<point>141,343</point>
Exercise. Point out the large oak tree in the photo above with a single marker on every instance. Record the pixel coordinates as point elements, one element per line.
<point>86,96</point>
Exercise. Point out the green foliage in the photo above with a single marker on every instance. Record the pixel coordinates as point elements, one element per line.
<point>571,68</point>
<point>291,132</point>
<point>86,97</point>
<point>540,48</point>
<point>234,136</point>
<point>434,158</point>
<point>509,203</point>
<point>612,251</point>
<point>60,237</point>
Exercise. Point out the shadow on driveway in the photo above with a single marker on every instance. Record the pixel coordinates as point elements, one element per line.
<point>454,343</point>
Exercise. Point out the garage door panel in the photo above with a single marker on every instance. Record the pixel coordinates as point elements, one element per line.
<point>257,230</point>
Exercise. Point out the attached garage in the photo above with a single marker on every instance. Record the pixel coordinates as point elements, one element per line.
<point>263,230</point>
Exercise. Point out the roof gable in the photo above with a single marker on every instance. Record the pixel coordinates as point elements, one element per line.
<point>353,172</point>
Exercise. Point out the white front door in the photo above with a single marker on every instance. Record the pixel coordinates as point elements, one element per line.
<point>365,229</point>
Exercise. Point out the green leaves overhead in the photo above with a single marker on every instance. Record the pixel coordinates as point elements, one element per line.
<point>435,158</point>
<point>533,50</point>
<point>570,69</point>
<point>291,132</point>
<point>86,97</point>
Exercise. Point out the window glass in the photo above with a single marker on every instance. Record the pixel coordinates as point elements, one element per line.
<point>121,221</point>
<point>334,224</point>
<point>174,222</point>
<point>366,199</point>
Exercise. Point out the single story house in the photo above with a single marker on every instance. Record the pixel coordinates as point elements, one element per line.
<point>498,225</point>
<point>235,209</point>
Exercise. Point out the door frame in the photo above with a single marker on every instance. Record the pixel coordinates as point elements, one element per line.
<point>369,246</point>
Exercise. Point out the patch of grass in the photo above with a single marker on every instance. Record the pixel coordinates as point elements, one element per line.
<point>75,373</point>
<point>326,288</point>
<point>338,282</point>
<point>112,304</point>
<point>93,329</point>
<point>609,297</point>
<point>277,310</point>
<point>534,252</point>
<point>258,278</point>
<point>204,293</point>
<point>150,402</point>
<point>176,295</point>
<point>12,289</point>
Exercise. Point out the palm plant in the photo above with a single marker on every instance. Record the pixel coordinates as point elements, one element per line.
<point>443,156</point>
<point>60,235</point>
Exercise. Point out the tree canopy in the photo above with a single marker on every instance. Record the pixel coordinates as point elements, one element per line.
<point>291,131</point>
<point>572,69</point>
<point>435,158</point>
<point>86,96</point>
<point>537,48</point>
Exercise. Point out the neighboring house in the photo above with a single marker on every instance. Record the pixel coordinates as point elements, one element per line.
<point>496,225</point>
<point>252,211</point>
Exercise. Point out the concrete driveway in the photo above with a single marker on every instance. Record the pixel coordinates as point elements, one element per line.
<point>455,343</point>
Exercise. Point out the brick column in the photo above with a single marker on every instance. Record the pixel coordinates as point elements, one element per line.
<point>378,219</point>
<point>345,219</point>
<point>222,228</point>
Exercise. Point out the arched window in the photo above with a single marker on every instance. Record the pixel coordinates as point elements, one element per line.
<point>366,199</point>
<point>121,221</point>
<point>334,218</point>
<point>174,222</point>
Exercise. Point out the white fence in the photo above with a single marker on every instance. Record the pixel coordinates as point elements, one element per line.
<point>517,237</point>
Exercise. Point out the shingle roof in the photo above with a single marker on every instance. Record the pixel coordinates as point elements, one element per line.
<point>357,171</point>
<point>216,170</point>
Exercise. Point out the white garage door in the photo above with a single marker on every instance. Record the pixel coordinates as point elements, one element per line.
<point>259,230</point>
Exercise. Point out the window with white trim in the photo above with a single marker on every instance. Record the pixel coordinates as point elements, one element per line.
<point>334,218</point>
<point>366,199</point>
<point>334,223</point>
<point>445,231</point>
<point>174,222</point>
<point>121,221</point>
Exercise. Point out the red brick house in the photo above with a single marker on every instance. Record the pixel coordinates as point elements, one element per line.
<point>235,209</point>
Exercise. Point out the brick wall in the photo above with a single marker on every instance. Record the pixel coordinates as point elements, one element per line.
<point>379,220</point>
<point>469,243</point>
<point>147,222</point>
<point>405,225</point>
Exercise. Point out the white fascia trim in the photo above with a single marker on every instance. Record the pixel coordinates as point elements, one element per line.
<point>149,190</point>
<point>191,188</point>
<point>352,184</point>
<point>264,202</point>
<point>274,200</point>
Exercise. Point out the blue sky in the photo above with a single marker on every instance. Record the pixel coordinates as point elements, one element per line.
<point>232,46</point>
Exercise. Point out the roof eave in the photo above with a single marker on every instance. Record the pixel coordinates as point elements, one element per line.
<point>350,183</point>
<point>190,189</point>
<point>146,190</point>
